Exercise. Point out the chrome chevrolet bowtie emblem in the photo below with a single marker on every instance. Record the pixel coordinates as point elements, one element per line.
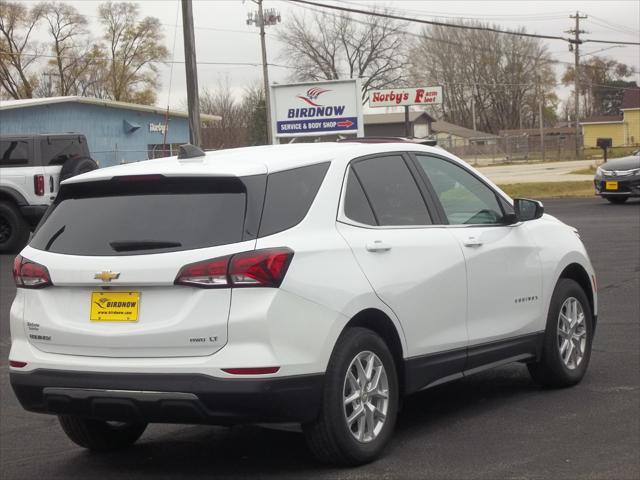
<point>106,276</point>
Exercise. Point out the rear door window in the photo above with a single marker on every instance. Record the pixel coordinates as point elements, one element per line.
<point>14,153</point>
<point>289,196</point>
<point>123,217</point>
<point>56,151</point>
<point>392,191</point>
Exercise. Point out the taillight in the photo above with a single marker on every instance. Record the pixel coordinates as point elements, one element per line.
<point>28,274</point>
<point>251,370</point>
<point>38,184</point>
<point>256,268</point>
<point>207,274</point>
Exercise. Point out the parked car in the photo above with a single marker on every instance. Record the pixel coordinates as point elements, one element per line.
<point>309,283</point>
<point>31,167</point>
<point>618,179</point>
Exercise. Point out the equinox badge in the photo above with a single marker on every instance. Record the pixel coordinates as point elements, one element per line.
<point>106,276</point>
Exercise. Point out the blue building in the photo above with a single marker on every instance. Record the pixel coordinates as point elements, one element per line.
<point>116,132</point>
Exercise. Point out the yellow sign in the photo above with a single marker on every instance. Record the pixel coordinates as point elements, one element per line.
<point>611,185</point>
<point>114,306</point>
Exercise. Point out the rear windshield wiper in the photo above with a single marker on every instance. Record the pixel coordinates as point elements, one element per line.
<point>132,245</point>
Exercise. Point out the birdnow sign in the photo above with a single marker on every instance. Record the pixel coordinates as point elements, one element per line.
<point>406,96</point>
<point>316,109</point>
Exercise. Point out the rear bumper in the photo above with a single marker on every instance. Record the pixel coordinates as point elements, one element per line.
<point>169,398</point>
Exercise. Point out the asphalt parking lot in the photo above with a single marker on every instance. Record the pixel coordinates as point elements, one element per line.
<point>492,426</point>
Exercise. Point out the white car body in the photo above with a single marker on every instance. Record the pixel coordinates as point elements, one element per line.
<point>474,295</point>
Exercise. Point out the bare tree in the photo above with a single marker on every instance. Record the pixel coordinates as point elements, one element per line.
<point>18,51</point>
<point>72,50</point>
<point>503,76</point>
<point>602,82</point>
<point>231,130</point>
<point>134,47</point>
<point>336,46</point>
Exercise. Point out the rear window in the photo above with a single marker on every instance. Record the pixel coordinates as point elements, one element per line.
<point>56,151</point>
<point>290,194</point>
<point>14,153</point>
<point>152,215</point>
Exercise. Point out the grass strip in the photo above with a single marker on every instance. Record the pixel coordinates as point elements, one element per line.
<point>549,189</point>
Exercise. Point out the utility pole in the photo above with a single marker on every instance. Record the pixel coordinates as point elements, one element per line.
<point>574,44</point>
<point>473,106</point>
<point>541,100</point>
<point>191,68</point>
<point>262,19</point>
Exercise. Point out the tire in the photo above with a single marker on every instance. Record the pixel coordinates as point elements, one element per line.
<point>76,166</point>
<point>617,200</point>
<point>14,230</point>
<point>329,437</point>
<point>98,435</point>
<point>553,370</point>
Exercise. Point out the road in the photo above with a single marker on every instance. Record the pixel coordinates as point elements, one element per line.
<point>495,425</point>
<point>538,172</point>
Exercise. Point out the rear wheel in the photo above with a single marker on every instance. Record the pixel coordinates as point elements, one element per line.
<point>99,435</point>
<point>360,401</point>
<point>14,230</point>
<point>77,166</point>
<point>568,336</point>
<point>617,200</point>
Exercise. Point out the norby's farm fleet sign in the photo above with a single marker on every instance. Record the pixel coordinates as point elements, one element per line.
<point>319,108</point>
<point>406,96</point>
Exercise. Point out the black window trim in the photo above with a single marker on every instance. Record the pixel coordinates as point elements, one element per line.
<point>441,212</point>
<point>431,206</point>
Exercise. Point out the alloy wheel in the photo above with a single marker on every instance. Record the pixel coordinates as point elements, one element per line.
<point>572,333</point>
<point>365,397</point>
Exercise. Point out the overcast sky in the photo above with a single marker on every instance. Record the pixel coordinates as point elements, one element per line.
<point>223,36</point>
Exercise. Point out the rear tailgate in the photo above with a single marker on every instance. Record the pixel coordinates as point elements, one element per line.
<point>113,250</point>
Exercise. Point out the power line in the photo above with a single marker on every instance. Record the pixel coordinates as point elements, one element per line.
<point>448,25</point>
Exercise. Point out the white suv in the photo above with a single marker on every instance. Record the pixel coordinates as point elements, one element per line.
<point>315,284</point>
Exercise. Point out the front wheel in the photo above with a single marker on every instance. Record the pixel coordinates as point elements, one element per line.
<point>99,435</point>
<point>567,340</point>
<point>360,401</point>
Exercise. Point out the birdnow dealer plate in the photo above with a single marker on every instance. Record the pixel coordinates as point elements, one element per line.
<point>114,306</point>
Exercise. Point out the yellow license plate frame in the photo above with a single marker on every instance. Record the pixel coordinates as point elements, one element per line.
<point>611,185</point>
<point>122,306</point>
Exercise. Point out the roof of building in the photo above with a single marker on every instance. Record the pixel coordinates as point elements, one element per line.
<point>441,126</point>
<point>396,117</point>
<point>603,119</point>
<point>35,102</point>
<point>631,99</point>
<point>250,160</point>
<point>536,131</point>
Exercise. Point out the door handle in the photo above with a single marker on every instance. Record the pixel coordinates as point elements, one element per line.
<point>472,242</point>
<point>378,246</point>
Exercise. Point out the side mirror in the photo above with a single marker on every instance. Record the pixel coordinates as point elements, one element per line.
<point>527,209</point>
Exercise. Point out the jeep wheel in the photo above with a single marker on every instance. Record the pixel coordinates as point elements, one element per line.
<point>77,166</point>
<point>14,230</point>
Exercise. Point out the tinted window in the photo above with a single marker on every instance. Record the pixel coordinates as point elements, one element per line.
<point>392,191</point>
<point>464,198</point>
<point>290,194</point>
<point>14,153</point>
<point>356,205</point>
<point>55,151</point>
<point>119,217</point>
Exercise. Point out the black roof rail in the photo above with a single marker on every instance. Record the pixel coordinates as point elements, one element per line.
<point>420,141</point>
<point>190,151</point>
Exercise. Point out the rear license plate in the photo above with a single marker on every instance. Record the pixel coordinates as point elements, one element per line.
<point>611,185</point>
<point>114,306</point>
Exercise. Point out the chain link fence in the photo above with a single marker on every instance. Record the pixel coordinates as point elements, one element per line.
<point>512,149</point>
